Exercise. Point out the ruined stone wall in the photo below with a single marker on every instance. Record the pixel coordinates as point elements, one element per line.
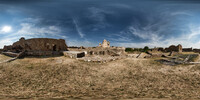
<point>112,51</point>
<point>7,48</point>
<point>187,49</point>
<point>174,48</point>
<point>157,49</point>
<point>104,44</point>
<point>196,50</point>
<point>1,50</point>
<point>38,46</point>
<point>41,44</point>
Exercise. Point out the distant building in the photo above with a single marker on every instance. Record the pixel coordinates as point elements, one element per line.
<point>104,44</point>
<point>187,49</point>
<point>196,50</point>
<point>174,48</point>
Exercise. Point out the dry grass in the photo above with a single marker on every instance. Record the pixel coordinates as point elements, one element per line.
<point>2,58</point>
<point>61,77</point>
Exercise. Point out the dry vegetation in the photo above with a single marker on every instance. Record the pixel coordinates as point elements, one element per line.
<point>61,77</point>
<point>3,58</point>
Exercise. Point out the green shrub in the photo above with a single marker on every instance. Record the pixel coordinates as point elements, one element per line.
<point>129,50</point>
<point>146,48</point>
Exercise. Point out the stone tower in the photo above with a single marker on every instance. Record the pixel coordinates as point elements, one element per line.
<point>104,44</point>
<point>179,48</point>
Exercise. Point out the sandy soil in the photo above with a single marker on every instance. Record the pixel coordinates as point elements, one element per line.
<point>130,78</point>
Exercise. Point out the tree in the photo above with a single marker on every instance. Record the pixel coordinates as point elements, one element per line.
<point>146,48</point>
<point>129,50</point>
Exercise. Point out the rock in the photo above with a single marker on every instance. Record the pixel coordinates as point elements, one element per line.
<point>74,54</point>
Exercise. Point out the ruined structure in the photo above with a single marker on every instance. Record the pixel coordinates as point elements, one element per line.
<point>104,44</point>
<point>196,50</point>
<point>156,49</point>
<point>187,49</point>
<point>37,46</point>
<point>112,51</point>
<point>1,50</point>
<point>74,54</point>
<point>174,48</point>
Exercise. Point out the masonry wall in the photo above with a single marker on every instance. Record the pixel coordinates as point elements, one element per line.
<point>187,49</point>
<point>38,46</point>
<point>174,48</point>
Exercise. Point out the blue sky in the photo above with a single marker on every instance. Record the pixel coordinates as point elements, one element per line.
<point>128,23</point>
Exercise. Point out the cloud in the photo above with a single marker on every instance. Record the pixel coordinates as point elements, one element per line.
<point>32,29</point>
<point>195,31</point>
<point>86,43</point>
<point>78,28</point>
<point>99,17</point>
<point>187,40</point>
<point>7,41</point>
<point>29,28</point>
<point>181,13</point>
<point>127,22</point>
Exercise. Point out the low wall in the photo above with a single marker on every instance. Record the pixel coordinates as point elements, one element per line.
<point>74,54</point>
<point>10,54</point>
<point>43,53</point>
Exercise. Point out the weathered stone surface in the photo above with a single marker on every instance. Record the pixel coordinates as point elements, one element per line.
<point>10,54</point>
<point>101,59</point>
<point>105,44</point>
<point>1,50</point>
<point>112,51</point>
<point>177,48</point>
<point>37,46</point>
<point>156,49</point>
<point>132,55</point>
<point>143,55</point>
<point>74,54</point>
<point>187,49</point>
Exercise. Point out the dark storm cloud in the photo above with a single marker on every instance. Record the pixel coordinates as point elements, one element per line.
<point>179,1</point>
<point>21,1</point>
<point>133,21</point>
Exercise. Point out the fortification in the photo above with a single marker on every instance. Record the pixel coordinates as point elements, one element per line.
<point>37,46</point>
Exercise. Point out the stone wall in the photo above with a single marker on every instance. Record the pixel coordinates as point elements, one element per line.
<point>112,51</point>
<point>156,49</point>
<point>105,44</point>
<point>74,54</point>
<point>174,48</point>
<point>187,49</point>
<point>1,50</point>
<point>38,46</point>
<point>196,50</point>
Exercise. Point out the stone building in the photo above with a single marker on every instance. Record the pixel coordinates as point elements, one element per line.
<point>187,49</point>
<point>174,48</point>
<point>37,46</point>
<point>196,50</point>
<point>104,44</point>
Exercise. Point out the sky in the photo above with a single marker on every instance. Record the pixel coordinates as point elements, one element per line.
<point>126,23</point>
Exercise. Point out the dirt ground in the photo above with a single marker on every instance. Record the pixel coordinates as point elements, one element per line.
<point>64,78</point>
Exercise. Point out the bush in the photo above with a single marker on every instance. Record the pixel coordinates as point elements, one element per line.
<point>146,48</point>
<point>129,49</point>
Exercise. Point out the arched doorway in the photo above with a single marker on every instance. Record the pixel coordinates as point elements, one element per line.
<point>54,48</point>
